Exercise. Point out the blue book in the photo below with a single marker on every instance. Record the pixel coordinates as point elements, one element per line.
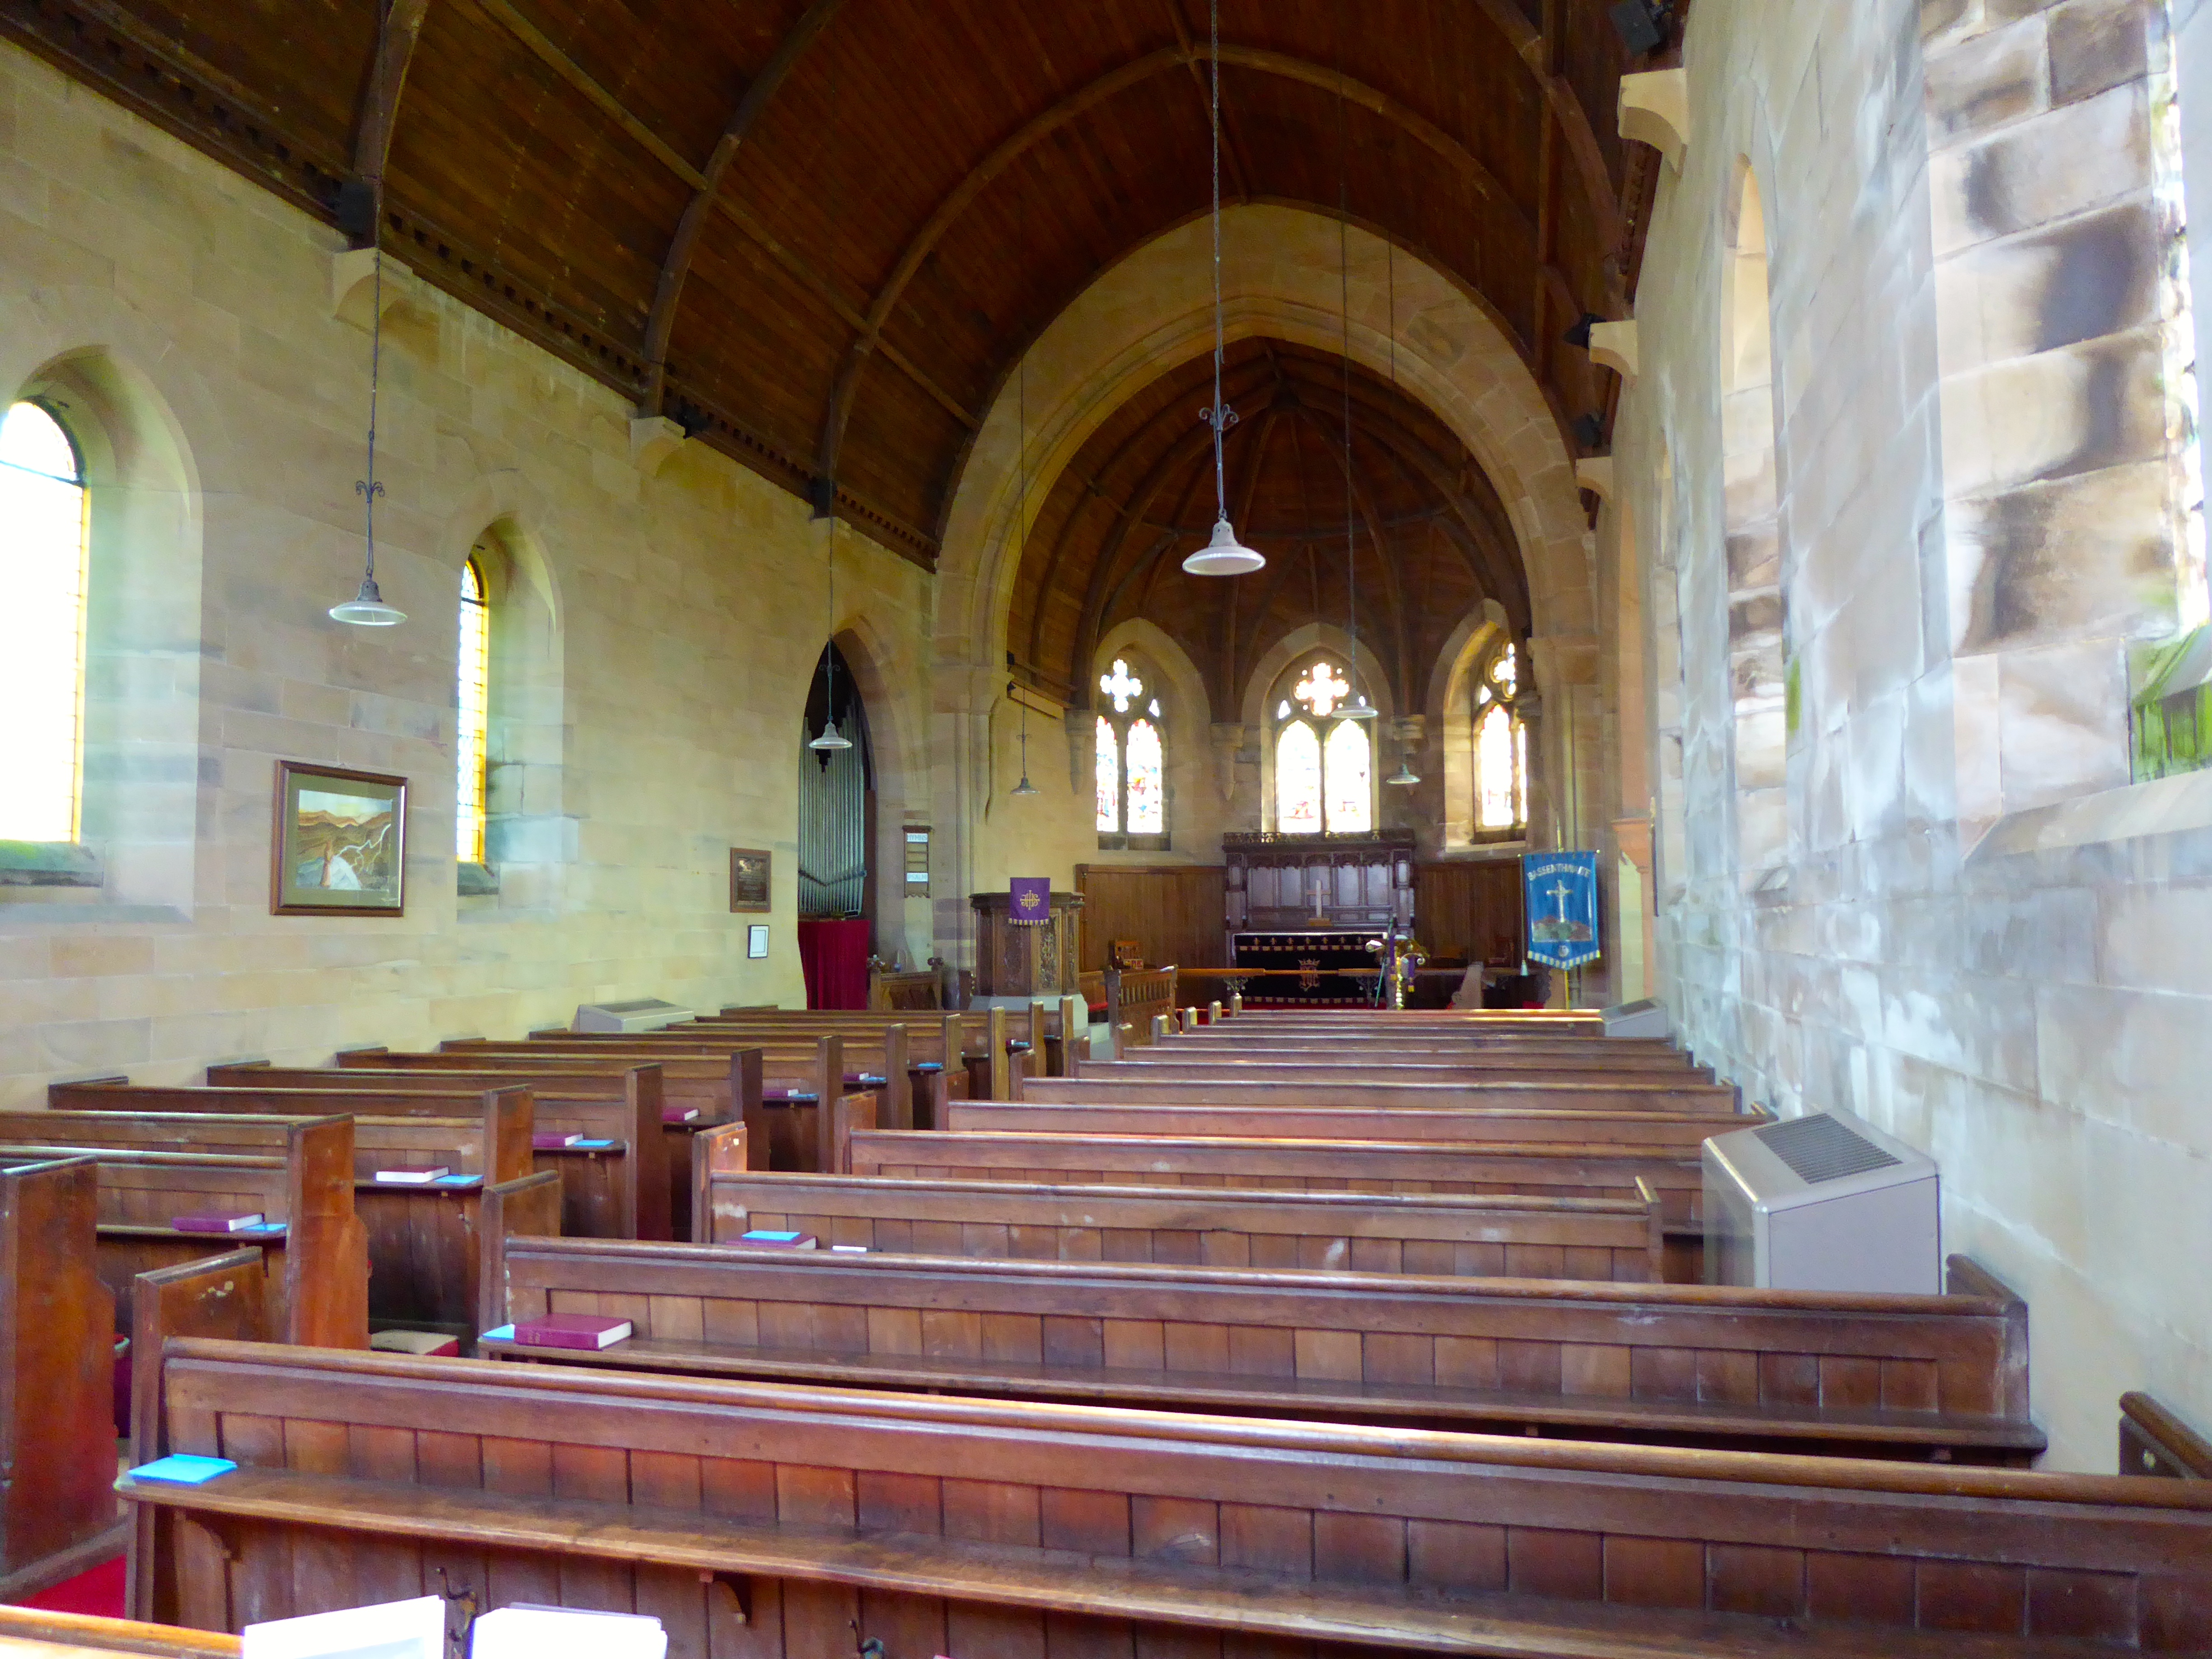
<point>497,1333</point>
<point>184,1469</point>
<point>457,1180</point>
<point>590,1144</point>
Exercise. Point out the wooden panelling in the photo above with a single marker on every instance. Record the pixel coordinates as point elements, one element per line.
<point>1471,909</point>
<point>1172,910</point>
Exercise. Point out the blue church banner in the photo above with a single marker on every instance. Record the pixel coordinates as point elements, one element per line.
<point>1562,907</point>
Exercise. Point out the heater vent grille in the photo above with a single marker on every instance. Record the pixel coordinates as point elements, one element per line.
<point>1818,1149</point>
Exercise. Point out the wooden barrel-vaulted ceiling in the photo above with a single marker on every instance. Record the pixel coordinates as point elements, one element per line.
<point>1427,539</point>
<point>819,232</point>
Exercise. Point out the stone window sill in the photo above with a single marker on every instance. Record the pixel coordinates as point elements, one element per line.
<point>49,864</point>
<point>2161,807</point>
<point>475,880</point>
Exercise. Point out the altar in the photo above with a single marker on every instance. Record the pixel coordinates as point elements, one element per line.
<point>1305,969</point>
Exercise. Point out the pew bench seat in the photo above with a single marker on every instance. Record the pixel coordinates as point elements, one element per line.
<point>1909,1435</point>
<point>1224,1599</point>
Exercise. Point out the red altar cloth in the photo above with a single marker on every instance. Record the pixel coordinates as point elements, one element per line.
<point>834,957</point>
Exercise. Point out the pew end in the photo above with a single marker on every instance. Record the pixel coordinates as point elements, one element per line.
<point>2155,1441</point>
<point>721,1150</point>
<point>527,1207</point>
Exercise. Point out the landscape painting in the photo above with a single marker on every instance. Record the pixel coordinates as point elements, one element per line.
<point>339,842</point>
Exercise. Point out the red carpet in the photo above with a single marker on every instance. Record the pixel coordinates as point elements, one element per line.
<point>98,1590</point>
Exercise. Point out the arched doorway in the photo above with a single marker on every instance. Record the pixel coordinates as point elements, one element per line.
<point>836,827</point>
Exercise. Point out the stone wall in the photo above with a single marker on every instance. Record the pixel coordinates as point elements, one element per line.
<point>1981,935</point>
<point>664,629</point>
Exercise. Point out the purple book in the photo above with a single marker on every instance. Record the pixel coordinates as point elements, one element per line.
<point>217,1221</point>
<point>552,1140</point>
<point>585,1330</point>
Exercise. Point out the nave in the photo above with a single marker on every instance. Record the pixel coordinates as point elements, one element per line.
<point>983,1359</point>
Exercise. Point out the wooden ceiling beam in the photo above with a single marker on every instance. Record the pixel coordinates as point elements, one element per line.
<point>676,264</point>
<point>1072,108</point>
<point>378,111</point>
<point>1229,147</point>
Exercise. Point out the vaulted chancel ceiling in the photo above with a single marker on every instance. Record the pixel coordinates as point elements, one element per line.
<point>819,232</point>
<point>1426,540</point>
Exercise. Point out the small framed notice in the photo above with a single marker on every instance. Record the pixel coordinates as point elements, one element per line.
<point>756,941</point>
<point>749,879</point>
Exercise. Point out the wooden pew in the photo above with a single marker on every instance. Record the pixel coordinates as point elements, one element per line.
<point>1524,1237</point>
<point>1485,1023</point>
<point>878,1060</point>
<point>295,1170</point>
<point>1607,1093</point>
<point>621,1190</point>
<point>697,1093</point>
<point>1350,1063</point>
<point>2153,1441</point>
<point>809,1523</point>
<point>1278,1164</point>
<point>789,1129</point>
<point>1038,1034</point>
<point>1684,1130</point>
<point>56,1406</point>
<point>1135,997</point>
<point>1940,1378</point>
<point>38,1633</point>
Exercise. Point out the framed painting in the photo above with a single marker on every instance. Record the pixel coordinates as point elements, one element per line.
<point>748,873</point>
<point>339,844</point>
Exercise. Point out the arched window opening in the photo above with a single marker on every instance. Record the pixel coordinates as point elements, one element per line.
<point>45,543</point>
<point>473,725</point>
<point>1324,766</point>
<point>1501,750</point>
<point>1132,764</point>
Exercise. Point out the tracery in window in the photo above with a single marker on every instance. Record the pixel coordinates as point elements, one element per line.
<point>1132,762</point>
<point>1501,750</point>
<point>472,745</point>
<point>1324,765</point>
<point>45,542</point>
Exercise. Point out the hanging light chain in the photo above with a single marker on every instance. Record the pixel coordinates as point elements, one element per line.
<point>1220,417</point>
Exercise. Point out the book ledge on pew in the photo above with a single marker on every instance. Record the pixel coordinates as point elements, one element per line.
<point>1113,1586</point>
<point>1215,1390</point>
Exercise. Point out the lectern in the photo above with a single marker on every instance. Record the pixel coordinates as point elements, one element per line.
<point>1026,960</point>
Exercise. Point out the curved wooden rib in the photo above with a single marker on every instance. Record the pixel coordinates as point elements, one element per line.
<point>379,110</point>
<point>669,290</point>
<point>1072,108</point>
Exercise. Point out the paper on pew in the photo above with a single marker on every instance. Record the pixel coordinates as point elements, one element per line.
<point>527,1633</point>
<point>389,1630</point>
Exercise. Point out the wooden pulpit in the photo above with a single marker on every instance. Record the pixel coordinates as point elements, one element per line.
<point>1026,959</point>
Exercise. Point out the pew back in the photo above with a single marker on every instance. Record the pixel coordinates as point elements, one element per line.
<point>1535,1238</point>
<point>990,1528</point>
<point>1683,1131</point>
<point>1608,1093</point>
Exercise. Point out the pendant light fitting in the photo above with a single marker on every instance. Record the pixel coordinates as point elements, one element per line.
<point>1358,707</point>
<point>1024,787</point>
<point>366,609</point>
<point>831,739</point>
<point>1224,555</point>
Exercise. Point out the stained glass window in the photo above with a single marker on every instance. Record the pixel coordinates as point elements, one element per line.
<point>1501,750</point>
<point>1297,781</point>
<point>44,546</point>
<point>1148,802</point>
<point>1348,768</point>
<point>1132,789</point>
<point>472,728</point>
<point>1109,777</point>
<point>1324,764</point>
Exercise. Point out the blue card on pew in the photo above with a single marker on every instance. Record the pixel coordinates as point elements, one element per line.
<point>458,1181</point>
<point>184,1469</point>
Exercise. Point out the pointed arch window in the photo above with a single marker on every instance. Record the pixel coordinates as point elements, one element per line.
<point>44,546</point>
<point>1324,766</point>
<point>1501,750</point>
<point>1131,768</point>
<point>472,727</point>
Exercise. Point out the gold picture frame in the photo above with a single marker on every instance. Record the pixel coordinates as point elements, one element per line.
<point>337,842</point>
